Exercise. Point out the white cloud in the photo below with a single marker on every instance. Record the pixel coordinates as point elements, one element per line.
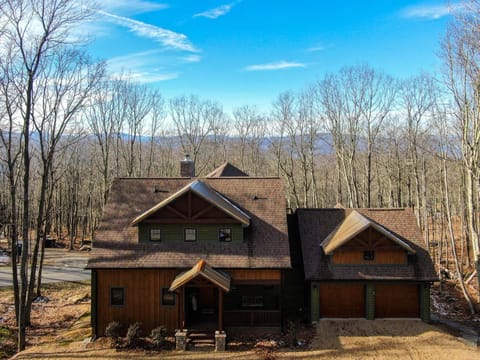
<point>191,58</point>
<point>279,65</point>
<point>432,12</point>
<point>131,7</point>
<point>216,12</point>
<point>147,77</point>
<point>167,38</point>
<point>315,48</point>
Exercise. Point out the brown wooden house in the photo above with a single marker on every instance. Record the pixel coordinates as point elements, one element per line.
<point>213,253</point>
<point>362,263</point>
<point>191,252</point>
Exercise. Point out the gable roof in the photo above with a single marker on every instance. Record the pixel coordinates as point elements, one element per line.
<point>218,278</point>
<point>207,193</point>
<point>262,199</point>
<point>226,170</point>
<point>351,226</point>
<point>315,226</point>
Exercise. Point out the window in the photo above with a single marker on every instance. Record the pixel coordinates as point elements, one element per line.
<point>190,234</point>
<point>252,301</point>
<point>117,296</point>
<point>225,234</point>
<point>168,297</point>
<point>155,234</point>
<point>369,255</point>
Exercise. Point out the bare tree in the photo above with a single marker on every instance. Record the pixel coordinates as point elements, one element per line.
<point>32,32</point>
<point>462,57</point>
<point>193,119</point>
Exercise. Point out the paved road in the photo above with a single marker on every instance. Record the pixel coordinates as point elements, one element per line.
<point>60,265</point>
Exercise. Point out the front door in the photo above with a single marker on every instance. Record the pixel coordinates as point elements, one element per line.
<point>201,307</point>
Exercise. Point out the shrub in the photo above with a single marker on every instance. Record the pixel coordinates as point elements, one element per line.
<point>113,330</point>
<point>158,336</point>
<point>134,333</point>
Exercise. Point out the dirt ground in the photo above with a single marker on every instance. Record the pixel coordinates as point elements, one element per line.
<point>335,339</point>
<point>61,330</point>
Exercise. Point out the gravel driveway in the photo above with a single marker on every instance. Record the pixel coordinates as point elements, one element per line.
<point>384,339</point>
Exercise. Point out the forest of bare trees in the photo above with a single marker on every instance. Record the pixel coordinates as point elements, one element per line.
<point>357,136</point>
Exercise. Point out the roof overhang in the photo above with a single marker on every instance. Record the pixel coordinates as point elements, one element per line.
<point>353,225</point>
<point>217,278</point>
<point>207,193</point>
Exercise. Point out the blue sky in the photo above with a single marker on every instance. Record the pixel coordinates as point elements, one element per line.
<point>248,51</point>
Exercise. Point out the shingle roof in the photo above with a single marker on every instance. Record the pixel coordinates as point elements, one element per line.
<point>316,224</point>
<point>262,199</point>
<point>226,170</point>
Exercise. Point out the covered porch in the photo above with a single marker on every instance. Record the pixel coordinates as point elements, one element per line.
<point>201,295</point>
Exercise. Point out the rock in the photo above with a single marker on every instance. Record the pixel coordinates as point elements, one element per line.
<point>79,298</point>
<point>41,299</point>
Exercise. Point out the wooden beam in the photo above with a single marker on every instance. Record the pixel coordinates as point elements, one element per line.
<point>195,221</point>
<point>175,211</point>
<point>182,308</point>
<point>203,211</point>
<point>189,204</point>
<point>220,309</point>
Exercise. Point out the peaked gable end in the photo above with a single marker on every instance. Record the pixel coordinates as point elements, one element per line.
<point>196,202</point>
<point>354,224</point>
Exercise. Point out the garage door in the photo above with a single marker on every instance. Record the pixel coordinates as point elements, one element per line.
<point>342,300</point>
<point>399,300</point>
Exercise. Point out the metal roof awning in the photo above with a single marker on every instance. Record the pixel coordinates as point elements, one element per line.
<point>206,192</point>
<point>353,225</point>
<point>217,278</point>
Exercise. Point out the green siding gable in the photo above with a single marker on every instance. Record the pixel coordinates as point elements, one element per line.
<point>175,232</point>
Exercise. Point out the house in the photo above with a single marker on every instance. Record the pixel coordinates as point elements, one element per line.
<point>362,263</point>
<point>191,252</point>
<point>214,253</point>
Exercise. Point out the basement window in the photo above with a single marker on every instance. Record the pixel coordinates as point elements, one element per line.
<point>117,296</point>
<point>225,234</point>
<point>168,297</point>
<point>369,255</point>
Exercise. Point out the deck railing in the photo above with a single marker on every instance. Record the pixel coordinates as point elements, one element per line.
<point>252,317</point>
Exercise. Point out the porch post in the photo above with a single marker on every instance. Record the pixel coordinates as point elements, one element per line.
<point>181,304</point>
<point>220,309</point>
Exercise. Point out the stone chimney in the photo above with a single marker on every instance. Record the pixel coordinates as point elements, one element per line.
<point>187,167</point>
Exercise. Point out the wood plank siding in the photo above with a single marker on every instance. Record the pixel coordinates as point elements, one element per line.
<point>385,250</point>
<point>143,289</point>
<point>382,256</point>
<point>143,292</point>
<point>266,275</point>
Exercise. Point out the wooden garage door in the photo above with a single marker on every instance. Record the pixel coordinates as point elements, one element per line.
<point>342,300</point>
<point>397,300</point>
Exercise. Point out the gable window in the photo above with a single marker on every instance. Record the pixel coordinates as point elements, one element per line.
<point>225,234</point>
<point>155,235</point>
<point>168,297</point>
<point>190,234</point>
<point>117,296</point>
<point>369,255</point>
